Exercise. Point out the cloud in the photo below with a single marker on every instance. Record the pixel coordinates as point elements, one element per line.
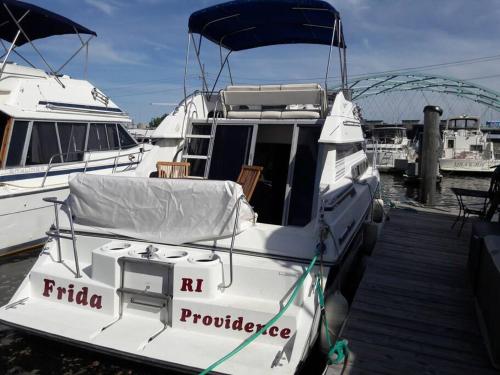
<point>104,53</point>
<point>104,6</point>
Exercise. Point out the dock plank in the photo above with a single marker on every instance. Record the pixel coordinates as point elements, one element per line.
<point>414,312</point>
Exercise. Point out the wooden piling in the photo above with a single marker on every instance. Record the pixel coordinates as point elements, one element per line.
<point>430,154</point>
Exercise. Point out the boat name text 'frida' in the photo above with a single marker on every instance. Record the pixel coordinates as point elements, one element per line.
<point>80,298</point>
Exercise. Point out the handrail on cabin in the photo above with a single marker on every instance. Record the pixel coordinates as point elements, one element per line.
<point>115,162</point>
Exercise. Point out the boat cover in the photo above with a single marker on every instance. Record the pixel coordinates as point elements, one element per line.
<point>172,211</point>
<point>245,24</point>
<point>36,22</point>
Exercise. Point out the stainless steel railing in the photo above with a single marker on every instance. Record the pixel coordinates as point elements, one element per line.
<point>55,233</point>
<point>115,158</point>
<point>235,228</point>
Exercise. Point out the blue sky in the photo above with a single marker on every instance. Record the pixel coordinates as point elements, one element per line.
<point>138,56</point>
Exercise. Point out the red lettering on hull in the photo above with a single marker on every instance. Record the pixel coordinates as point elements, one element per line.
<point>82,296</point>
<point>235,324</point>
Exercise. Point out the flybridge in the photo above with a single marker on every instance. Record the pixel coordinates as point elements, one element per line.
<point>22,23</point>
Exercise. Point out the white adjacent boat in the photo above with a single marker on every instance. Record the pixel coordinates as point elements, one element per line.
<point>466,148</point>
<point>51,125</point>
<point>390,149</point>
<point>185,273</point>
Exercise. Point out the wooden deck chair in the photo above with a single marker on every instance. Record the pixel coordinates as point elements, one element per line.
<point>171,169</point>
<point>248,178</point>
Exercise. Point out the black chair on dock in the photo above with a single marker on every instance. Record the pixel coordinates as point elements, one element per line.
<point>484,202</point>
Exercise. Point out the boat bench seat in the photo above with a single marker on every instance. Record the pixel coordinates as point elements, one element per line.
<point>294,101</point>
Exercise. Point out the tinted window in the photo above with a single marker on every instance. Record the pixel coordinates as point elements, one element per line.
<point>126,141</point>
<point>112,136</point>
<point>43,144</point>
<point>72,138</point>
<point>98,140</point>
<point>17,139</point>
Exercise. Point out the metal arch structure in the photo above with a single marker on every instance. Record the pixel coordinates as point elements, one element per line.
<point>373,85</point>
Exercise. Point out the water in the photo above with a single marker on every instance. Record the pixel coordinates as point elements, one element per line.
<point>22,353</point>
<point>395,191</point>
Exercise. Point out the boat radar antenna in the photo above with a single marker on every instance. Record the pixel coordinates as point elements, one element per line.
<point>22,23</point>
<point>238,25</point>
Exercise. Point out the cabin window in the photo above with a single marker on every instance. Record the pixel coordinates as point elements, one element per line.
<point>126,141</point>
<point>72,138</point>
<point>346,149</point>
<point>451,143</point>
<point>16,146</point>
<point>478,148</point>
<point>98,139</point>
<point>43,144</point>
<point>112,136</point>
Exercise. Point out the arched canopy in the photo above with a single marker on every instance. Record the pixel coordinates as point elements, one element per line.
<point>36,23</point>
<point>244,24</point>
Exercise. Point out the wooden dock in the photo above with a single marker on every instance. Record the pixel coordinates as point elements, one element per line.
<point>414,311</point>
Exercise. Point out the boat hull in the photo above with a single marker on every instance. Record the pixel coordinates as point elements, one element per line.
<point>468,165</point>
<point>24,218</point>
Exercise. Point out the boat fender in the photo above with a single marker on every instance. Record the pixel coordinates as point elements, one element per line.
<point>378,210</point>
<point>370,236</point>
<point>336,309</point>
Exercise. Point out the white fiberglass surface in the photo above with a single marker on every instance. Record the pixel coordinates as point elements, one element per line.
<point>201,314</point>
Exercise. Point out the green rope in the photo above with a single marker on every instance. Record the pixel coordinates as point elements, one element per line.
<point>338,351</point>
<point>250,339</point>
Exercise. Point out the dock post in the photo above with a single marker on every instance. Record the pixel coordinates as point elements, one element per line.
<point>430,153</point>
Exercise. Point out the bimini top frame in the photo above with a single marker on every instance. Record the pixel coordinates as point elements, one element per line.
<point>22,23</point>
<point>245,24</point>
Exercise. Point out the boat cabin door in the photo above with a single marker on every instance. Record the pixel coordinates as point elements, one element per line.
<point>288,152</point>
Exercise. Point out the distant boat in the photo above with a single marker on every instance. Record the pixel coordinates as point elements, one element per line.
<point>390,149</point>
<point>468,149</point>
<point>51,125</point>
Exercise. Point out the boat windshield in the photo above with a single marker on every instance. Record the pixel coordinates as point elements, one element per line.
<point>388,136</point>
<point>463,123</point>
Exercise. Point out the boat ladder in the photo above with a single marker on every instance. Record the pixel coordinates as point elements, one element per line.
<point>143,297</point>
<point>195,146</point>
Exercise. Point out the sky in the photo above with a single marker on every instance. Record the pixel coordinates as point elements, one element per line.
<point>138,57</point>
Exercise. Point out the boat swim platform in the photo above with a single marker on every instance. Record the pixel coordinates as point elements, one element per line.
<point>413,312</point>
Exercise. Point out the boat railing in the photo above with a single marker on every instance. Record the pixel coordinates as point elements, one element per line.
<point>233,237</point>
<point>88,160</point>
<point>464,153</point>
<point>55,233</point>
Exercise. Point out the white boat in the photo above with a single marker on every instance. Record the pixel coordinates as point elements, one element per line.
<point>185,273</point>
<point>51,125</point>
<point>466,148</point>
<point>390,149</point>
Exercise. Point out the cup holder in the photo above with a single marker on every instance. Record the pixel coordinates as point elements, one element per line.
<point>174,254</point>
<point>116,246</point>
<point>207,259</point>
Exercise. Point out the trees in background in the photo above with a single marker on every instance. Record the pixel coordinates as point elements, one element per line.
<point>155,121</point>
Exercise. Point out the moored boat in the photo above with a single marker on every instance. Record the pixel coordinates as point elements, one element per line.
<point>390,149</point>
<point>466,148</point>
<point>51,125</point>
<point>200,273</point>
